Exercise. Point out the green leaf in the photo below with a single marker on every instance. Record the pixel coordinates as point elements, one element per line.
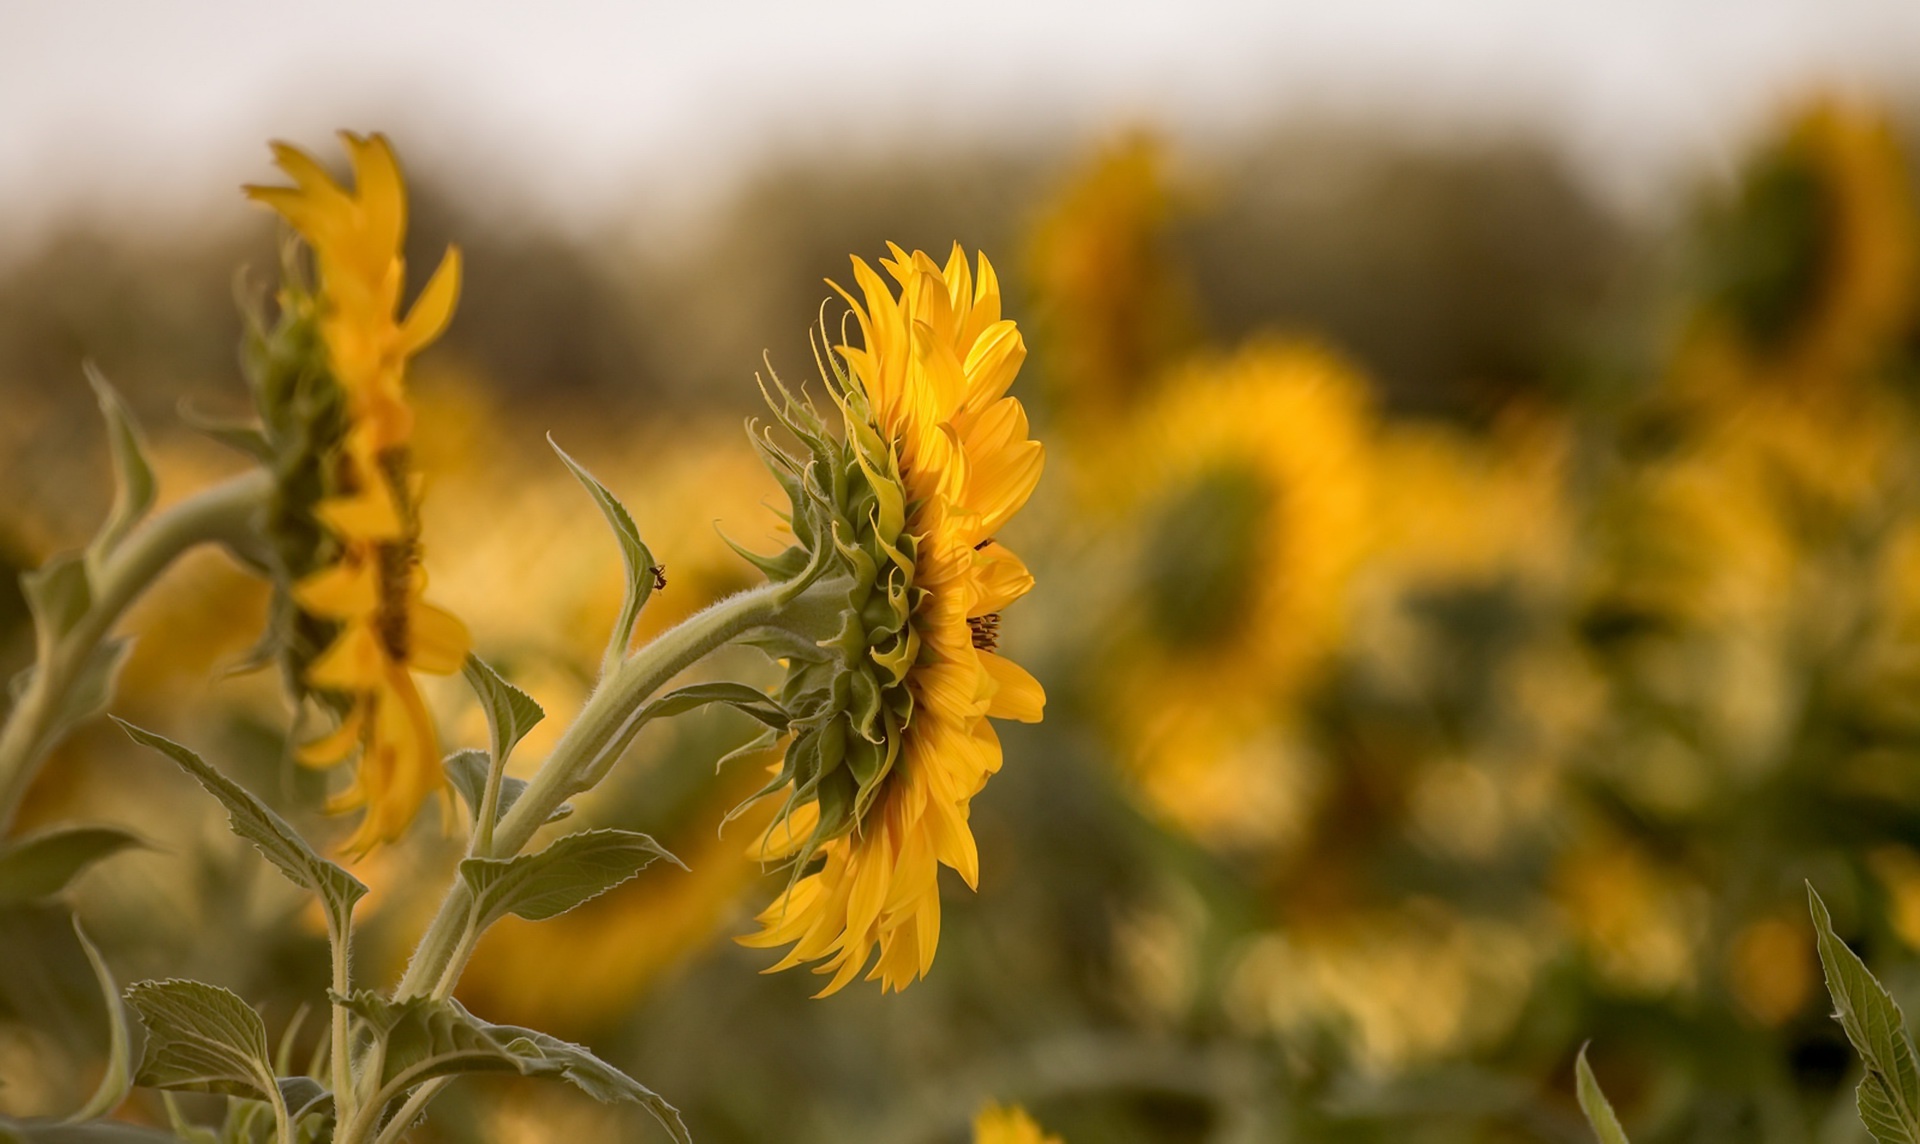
<point>133,484</point>
<point>573,870</point>
<point>256,822</point>
<point>1594,1103</point>
<point>87,695</point>
<point>426,1038</point>
<point>641,570</point>
<point>201,1038</point>
<point>118,1078</point>
<point>243,436</point>
<point>58,593</point>
<point>96,1132</point>
<point>749,700</point>
<point>41,865</point>
<point>303,1096</point>
<point>467,774</point>
<point>1889,1095</point>
<point>511,712</point>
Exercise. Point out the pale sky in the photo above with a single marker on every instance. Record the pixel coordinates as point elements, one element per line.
<point>156,109</point>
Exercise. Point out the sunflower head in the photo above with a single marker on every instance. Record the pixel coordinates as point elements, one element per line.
<point>892,658</point>
<point>329,381</point>
<point>1810,264</point>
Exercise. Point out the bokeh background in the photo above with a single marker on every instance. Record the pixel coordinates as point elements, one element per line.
<point>1479,559</point>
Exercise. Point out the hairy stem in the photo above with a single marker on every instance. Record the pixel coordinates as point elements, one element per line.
<point>438,959</point>
<point>411,1110</point>
<point>340,941</point>
<point>224,512</point>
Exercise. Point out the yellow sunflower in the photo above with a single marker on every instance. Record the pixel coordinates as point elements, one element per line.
<point>368,587</point>
<point>1116,307</point>
<point>1813,264</point>
<point>1250,480</point>
<point>892,735</point>
<point>1008,1125</point>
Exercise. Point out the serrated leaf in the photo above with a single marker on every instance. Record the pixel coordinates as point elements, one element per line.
<point>427,1038</point>
<point>573,870</point>
<point>41,865</point>
<point>133,483</point>
<point>201,1038</point>
<point>641,569</point>
<point>118,1077</point>
<point>511,712</point>
<point>1594,1103</point>
<point>467,774</point>
<point>58,594</point>
<point>256,822</point>
<point>1889,1095</point>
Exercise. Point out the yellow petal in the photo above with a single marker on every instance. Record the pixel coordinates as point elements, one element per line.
<point>433,309</point>
<point>437,642</point>
<point>1019,695</point>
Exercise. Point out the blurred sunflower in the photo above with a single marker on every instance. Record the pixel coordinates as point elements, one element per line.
<point>1811,266</point>
<point>892,734</point>
<point>1008,1125</point>
<point>1251,486</point>
<point>358,577</point>
<point>1115,308</point>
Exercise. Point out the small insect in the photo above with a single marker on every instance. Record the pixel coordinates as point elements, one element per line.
<point>659,576</point>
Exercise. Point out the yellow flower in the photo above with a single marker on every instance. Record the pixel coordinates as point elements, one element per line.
<point>893,739</point>
<point>1008,1125</point>
<point>1814,264</point>
<point>1250,479</point>
<point>1115,306</point>
<point>369,590</point>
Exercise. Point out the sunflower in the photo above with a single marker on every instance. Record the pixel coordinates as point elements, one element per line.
<point>1812,267</point>
<point>896,520</point>
<point>1008,1125</point>
<point>1250,486</point>
<point>360,584</point>
<point>1116,305</point>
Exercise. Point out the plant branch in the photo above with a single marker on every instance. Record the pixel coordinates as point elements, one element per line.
<point>222,513</point>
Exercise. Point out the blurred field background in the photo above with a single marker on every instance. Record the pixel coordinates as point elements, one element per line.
<point>1479,562</point>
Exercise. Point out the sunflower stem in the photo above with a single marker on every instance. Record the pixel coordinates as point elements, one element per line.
<point>222,513</point>
<point>441,954</point>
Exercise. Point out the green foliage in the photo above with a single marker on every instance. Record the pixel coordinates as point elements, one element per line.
<point>133,483</point>
<point>1594,1103</point>
<point>427,1038</point>
<point>642,572</point>
<point>256,822</point>
<point>58,593</point>
<point>201,1038</point>
<point>40,865</point>
<point>511,712</point>
<point>467,774</point>
<point>1889,1095</point>
<point>575,869</point>
<point>118,1078</point>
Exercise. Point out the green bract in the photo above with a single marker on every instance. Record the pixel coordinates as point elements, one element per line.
<point>846,694</point>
